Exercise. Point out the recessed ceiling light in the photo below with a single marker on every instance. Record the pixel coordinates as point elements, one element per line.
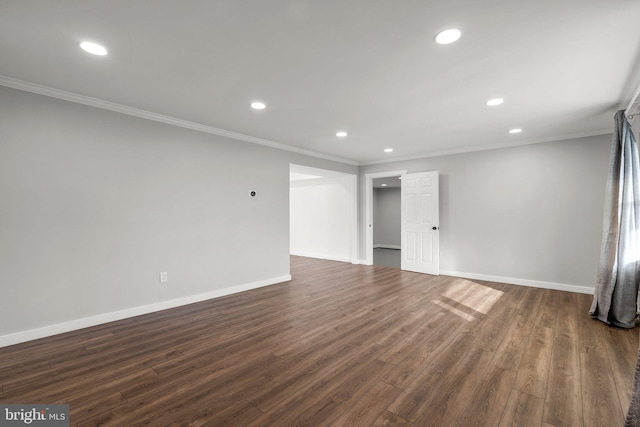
<point>447,36</point>
<point>495,101</point>
<point>383,185</point>
<point>258,105</point>
<point>388,150</point>
<point>93,48</point>
<point>516,130</point>
<point>341,134</point>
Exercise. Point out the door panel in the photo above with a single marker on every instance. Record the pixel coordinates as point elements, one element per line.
<point>412,208</point>
<point>427,245</point>
<point>427,208</point>
<point>411,252</point>
<point>420,228</point>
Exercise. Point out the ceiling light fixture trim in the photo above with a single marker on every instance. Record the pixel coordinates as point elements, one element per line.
<point>448,36</point>
<point>93,48</point>
<point>495,101</point>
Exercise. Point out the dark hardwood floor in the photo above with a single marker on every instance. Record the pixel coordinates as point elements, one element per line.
<point>340,345</point>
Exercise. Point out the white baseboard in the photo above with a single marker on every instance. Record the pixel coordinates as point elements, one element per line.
<point>522,282</point>
<point>59,328</point>
<point>386,247</point>
<point>324,256</point>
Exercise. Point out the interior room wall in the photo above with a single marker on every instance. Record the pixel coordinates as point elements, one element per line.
<point>525,214</point>
<point>95,204</point>
<point>322,218</point>
<point>386,217</point>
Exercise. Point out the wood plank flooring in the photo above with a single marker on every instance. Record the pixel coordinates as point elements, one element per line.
<point>340,345</point>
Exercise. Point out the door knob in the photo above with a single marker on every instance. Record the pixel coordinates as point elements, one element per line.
<point>434,228</point>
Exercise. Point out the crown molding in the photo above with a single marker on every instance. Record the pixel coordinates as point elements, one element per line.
<point>149,115</point>
<point>489,147</point>
<point>173,121</point>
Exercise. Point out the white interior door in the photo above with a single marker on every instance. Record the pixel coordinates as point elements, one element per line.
<point>420,223</point>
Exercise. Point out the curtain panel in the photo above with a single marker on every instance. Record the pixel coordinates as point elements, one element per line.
<point>616,294</point>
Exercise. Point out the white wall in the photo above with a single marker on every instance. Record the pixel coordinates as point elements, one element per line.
<point>95,204</point>
<point>386,217</point>
<point>532,213</point>
<point>322,218</point>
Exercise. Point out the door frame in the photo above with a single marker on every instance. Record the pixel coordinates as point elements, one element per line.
<point>369,209</point>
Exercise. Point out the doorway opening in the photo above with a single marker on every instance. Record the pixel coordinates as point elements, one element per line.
<point>323,220</point>
<point>369,195</point>
<point>386,222</point>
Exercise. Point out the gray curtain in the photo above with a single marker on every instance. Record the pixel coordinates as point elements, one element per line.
<point>616,294</point>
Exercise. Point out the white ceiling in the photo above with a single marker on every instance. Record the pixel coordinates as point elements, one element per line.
<point>369,67</point>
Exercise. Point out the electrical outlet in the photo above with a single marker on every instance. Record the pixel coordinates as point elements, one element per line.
<point>164,277</point>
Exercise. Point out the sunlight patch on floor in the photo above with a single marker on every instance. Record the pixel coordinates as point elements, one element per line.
<point>478,297</point>
<point>469,300</point>
<point>452,309</point>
